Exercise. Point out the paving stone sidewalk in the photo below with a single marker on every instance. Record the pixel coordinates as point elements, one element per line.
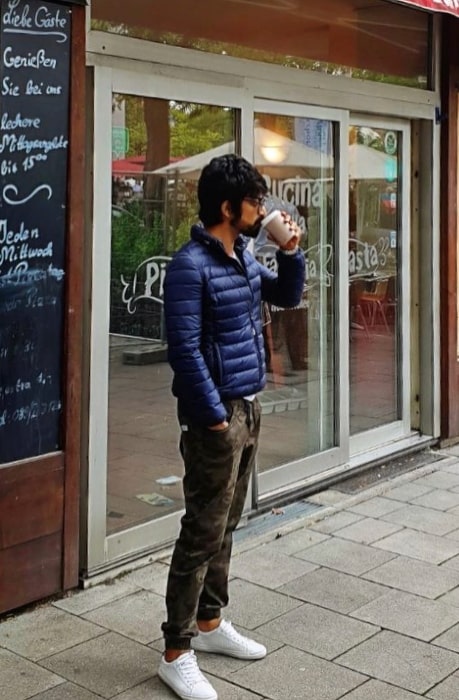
<point>358,601</point>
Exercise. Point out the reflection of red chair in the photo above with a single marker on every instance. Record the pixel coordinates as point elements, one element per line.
<point>357,317</point>
<point>391,302</point>
<point>373,303</point>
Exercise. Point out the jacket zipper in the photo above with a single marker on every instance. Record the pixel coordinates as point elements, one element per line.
<point>252,323</point>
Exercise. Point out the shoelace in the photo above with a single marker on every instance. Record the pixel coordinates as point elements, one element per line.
<point>190,669</point>
<point>232,633</point>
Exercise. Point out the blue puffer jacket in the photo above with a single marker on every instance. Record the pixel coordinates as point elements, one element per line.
<point>212,306</point>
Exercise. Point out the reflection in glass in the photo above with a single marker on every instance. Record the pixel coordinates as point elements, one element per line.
<point>373,40</point>
<point>296,157</point>
<point>159,148</point>
<point>374,276</point>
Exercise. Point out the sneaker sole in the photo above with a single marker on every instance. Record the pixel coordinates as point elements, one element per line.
<point>227,652</point>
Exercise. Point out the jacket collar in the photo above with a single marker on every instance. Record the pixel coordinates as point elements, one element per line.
<point>200,235</point>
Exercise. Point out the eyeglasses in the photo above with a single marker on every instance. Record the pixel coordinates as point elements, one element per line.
<point>258,202</point>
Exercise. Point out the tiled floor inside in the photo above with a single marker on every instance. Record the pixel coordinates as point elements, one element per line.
<point>298,421</point>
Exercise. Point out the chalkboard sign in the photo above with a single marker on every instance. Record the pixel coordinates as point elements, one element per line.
<point>34,116</point>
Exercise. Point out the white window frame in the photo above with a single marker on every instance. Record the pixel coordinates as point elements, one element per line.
<point>133,66</point>
<point>396,430</point>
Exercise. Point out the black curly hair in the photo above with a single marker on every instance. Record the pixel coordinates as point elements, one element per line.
<point>227,178</point>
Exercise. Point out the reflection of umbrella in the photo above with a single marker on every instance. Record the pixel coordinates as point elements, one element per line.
<point>281,157</point>
<point>272,150</point>
<point>129,166</point>
<point>367,163</point>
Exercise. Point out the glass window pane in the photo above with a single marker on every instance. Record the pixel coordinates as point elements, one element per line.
<point>375,40</point>
<point>297,158</point>
<point>159,148</point>
<point>374,276</point>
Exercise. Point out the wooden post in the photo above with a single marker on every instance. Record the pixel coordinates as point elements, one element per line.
<point>74,305</point>
<point>448,230</point>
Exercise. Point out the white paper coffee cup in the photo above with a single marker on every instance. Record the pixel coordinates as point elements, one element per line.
<point>277,228</point>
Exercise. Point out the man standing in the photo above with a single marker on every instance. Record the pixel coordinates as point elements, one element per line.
<point>212,301</point>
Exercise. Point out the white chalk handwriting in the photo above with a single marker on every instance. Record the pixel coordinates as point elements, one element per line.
<point>43,21</point>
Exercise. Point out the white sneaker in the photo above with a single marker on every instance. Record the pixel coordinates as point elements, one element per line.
<point>226,640</point>
<point>185,679</point>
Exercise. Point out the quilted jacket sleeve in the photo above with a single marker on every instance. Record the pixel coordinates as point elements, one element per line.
<point>286,288</point>
<point>193,384</point>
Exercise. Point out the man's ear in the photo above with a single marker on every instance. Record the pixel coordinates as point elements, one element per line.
<point>226,210</point>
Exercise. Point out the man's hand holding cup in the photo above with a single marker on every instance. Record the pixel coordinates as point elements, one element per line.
<point>282,230</point>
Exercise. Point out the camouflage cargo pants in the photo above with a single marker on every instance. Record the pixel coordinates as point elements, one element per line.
<point>218,465</point>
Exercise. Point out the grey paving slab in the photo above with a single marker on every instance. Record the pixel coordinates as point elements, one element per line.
<point>83,601</point>
<point>329,497</point>
<point>138,616</point>
<point>434,522</point>
<point>367,530</point>
<point>107,666</point>
<point>409,614</point>
<point>252,605</point>
<point>322,632</point>
<point>439,499</point>
<point>447,690</point>
<point>21,679</point>
<point>408,492</point>
<point>154,689</point>
<point>229,691</point>
<point>375,507</point>
<point>291,674</point>
<point>152,577</point>
<point>44,632</point>
<point>375,690</point>
<point>452,597</point>
<point>453,535</point>
<point>401,661</point>
<point>439,480</point>
<point>453,562</point>
<point>334,590</point>
<point>296,541</point>
<point>67,691</point>
<point>419,545</point>
<point>268,568</point>
<point>335,522</point>
<point>346,556</point>
<point>453,450</point>
<point>449,465</point>
<point>450,639</point>
<point>415,576</point>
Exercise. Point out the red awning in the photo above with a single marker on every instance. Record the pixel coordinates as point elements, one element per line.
<point>451,6</point>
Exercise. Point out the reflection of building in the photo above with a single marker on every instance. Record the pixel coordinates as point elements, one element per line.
<point>373,381</point>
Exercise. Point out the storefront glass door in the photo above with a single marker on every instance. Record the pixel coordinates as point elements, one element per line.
<point>163,132</point>
<point>146,171</point>
<point>298,153</point>
<point>161,147</point>
<point>379,177</point>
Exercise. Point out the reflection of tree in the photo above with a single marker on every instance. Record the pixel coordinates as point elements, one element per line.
<point>241,51</point>
<point>196,128</point>
<point>365,136</point>
<point>162,130</point>
<point>156,115</point>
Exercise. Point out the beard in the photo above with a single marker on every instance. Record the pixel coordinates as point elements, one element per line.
<point>251,231</point>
